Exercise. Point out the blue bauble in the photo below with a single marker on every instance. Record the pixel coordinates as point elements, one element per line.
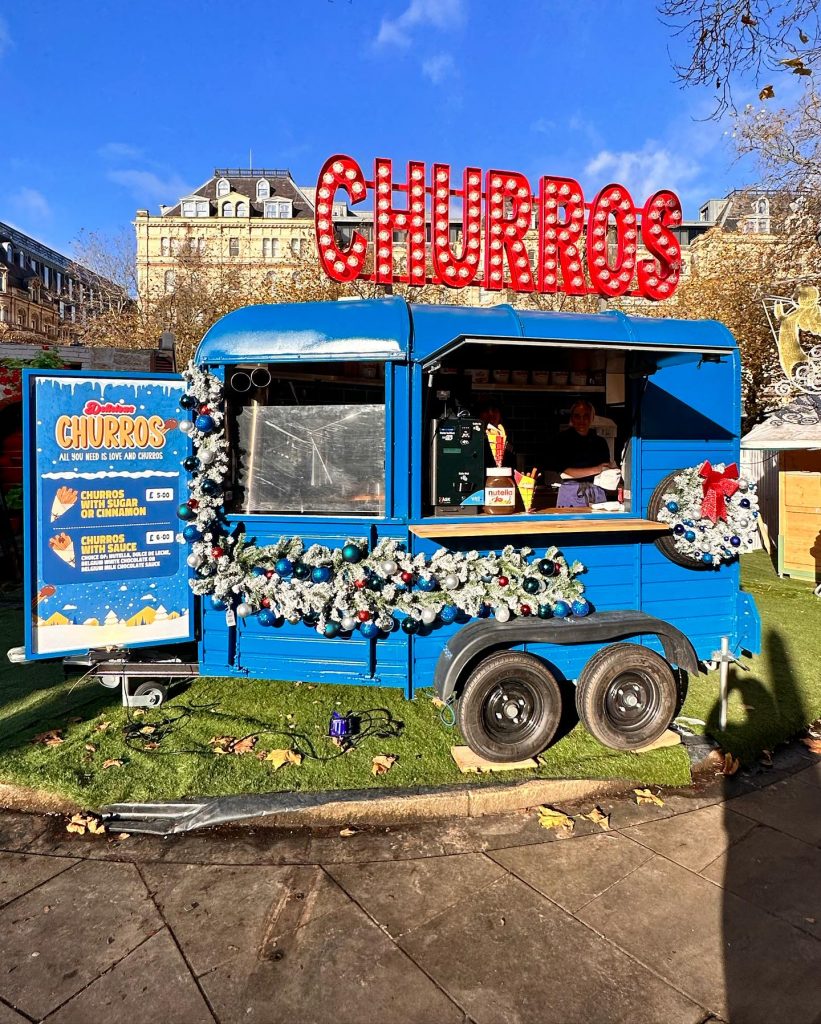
<point>690,535</point>
<point>427,585</point>
<point>687,522</point>
<point>351,553</point>
<point>745,503</point>
<point>266,617</point>
<point>448,613</point>
<point>707,558</point>
<point>545,611</point>
<point>217,603</point>
<point>204,423</point>
<point>678,529</point>
<point>580,607</point>
<point>672,506</point>
<point>211,487</point>
<point>302,571</point>
<point>320,574</point>
<point>561,609</point>
<point>191,464</point>
<point>192,533</point>
<point>185,513</point>
<point>284,566</point>
<point>735,541</point>
<point>369,629</point>
<point>332,629</point>
<point>410,625</point>
<point>257,571</point>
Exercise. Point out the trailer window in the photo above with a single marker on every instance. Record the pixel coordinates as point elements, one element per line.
<point>308,441</point>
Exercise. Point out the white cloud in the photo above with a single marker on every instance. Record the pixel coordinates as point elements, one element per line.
<point>148,597</point>
<point>441,14</point>
<point>31,203</point>
<point>69,607</point>
<point>439,67</point>
<point>642,171</point>
<point>5,37</point>
<point>146,186</point>
<point>119,151</point>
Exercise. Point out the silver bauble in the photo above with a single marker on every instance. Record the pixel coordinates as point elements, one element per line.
<point>186,426</point>
<point>428,616</point>
<point>502,613</point>
<point>193,560</point>
<point>389,567</point>
<point>244,609</point>
<point>451,581</point>
<point>206,457</point>
<point>348,623</point>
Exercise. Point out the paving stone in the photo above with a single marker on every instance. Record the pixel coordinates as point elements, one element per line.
<point>9,1016</point>
<point>510,957</point>
<point>776,872</point>
<point>219,912</point>
<point>152,983</point>
<point>812,773</point>
<point>20,872</point>
<point>17,830</point>
<point>575,871</point>
<point>97,914</point>
<point>792,806</point>
<point>402,895</point>
<point>341,967</point>
<point>734,959</point>
<point>692,840</point>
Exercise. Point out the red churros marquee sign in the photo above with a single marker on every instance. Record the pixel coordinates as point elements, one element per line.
<point>583,249</point>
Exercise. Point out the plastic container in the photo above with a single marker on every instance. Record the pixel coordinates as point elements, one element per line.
<point>559,377</point>
<point>578,378</point>
<point>518,376</point>
<point>540,376</point>
<point>501,376</point>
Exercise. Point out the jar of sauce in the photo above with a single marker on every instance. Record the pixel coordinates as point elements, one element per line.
<point>500,492</point>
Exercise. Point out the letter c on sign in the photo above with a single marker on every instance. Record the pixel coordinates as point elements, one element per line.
<point>339,264</point>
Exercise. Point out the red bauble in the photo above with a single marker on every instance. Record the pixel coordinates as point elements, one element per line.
<point>204,410</point>
<point>524,609</point>
<point>269,575</point>
<point>407,577</point>
<point>193,504</point>
<point>217,551</point>
<point>363,616</point>
<point>266,602</point>
<point>360,584</point>
<point>503,581</point>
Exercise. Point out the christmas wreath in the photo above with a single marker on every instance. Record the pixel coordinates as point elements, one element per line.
<point>712,512</point>
<point>337,590</point>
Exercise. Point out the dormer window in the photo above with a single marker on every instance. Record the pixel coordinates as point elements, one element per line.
<point>223,187</point>
<point>263,188</point>
<point>228,209</point>
<point>279,208</point>
<point>242,209</point>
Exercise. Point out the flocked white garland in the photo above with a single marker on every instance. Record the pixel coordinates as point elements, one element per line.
<point>338,590</point>
<point>695,535</point>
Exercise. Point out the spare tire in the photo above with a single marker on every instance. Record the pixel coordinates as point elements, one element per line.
<point>667,544</point>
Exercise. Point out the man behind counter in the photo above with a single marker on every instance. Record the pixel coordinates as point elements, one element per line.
<point>580,454</point>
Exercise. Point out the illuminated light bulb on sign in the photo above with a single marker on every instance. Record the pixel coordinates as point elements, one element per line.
<point>442,175</point>
<point>450,271</point>
<point>350,174</point>
<point>417,236</point>
<point>472,257</point>
<point>338,166</point>
<point>417,190</point>
<point>417,174</point>
<point>551,188</point>
<point>384,171</point>
<point>352,261</point>
<point>358,247</point>
<point>441,193</point>
<point>496,276</point>
<point>401,220</point>
<point>564,190</point>
<point>339,266</point>
<point>357,189</point>
<point>328,179</point>
<point>324,192</point>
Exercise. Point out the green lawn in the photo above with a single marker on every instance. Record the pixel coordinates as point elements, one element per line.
<point>782,693</point>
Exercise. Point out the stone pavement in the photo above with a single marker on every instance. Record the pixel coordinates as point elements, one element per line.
<point>707,908</point>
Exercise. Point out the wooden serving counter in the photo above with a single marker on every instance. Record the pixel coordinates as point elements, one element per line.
<point>546,521</point>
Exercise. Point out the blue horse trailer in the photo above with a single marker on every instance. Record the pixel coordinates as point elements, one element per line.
<point>338,442</point>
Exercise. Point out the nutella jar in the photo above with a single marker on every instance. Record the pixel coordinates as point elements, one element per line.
<point>500,492</point>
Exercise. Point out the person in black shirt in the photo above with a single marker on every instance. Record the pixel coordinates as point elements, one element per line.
<point>580,454</point>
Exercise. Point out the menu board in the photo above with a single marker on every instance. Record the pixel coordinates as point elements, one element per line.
<point>104,564</point>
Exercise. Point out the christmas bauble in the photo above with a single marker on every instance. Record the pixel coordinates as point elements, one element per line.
<point>188,401</point>
<point>204,423</point>
<point>191,464</point>
<point>561,609</point>
<point>428,616</point>
<point>678,529</point>
<point>545,611</point>
<point>524,609</point>
<point>448,613</point>
<point>690,535</point>
<point>192,533</point>
<point>348,623</point>
<point>502,613</point>
<point>427,585</point>
<point>389,567</point>
<point>375,583</point>
<point>217,551</point>
<point>244,610</point>
<point>484,611</point>
<point>269,574</point>
<point>360,584</point>
<point>284,566</point>
<point>310,618</point>
<point>193,503</point>
<point>217,603</point>
<point>672,506</point>
<point>332,629</point>
<point>266,602</point>
<point>407,578</point>
<point>257,571</point>
<point>735,541</point>
<point>186,427</point>
<point>369,630</point>
<point>211,487</point>
<point>707,558</point>
<point>204,410</point>
<point>545,566</point>
<point>266,617</point>
<point>451,581</point>
<point>363,615</point>
<point>193,560</point>
<point>743,522</point>
<point>302,571</point>
<point>410,625</point>
<point>320,574</point>
<point>351,553</point>
<point>531,585</point>
<point>745,503</point>
<point>293,618</point>
<point>580,607</point>
<point>206,456</point>
<point>503,581</point>
<point>185,513</point>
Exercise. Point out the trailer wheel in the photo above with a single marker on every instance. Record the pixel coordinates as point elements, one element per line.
<point>666,544</point>
<point>510,707</point>
<point>626,696</point>
<point>156,692</point>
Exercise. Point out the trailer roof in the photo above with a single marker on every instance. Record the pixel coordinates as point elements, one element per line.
<point>391,328</point>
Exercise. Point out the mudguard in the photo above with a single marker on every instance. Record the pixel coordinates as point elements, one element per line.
<point>600,627</point>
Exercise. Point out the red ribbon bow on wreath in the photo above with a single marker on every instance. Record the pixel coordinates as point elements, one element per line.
<point>716,487</point>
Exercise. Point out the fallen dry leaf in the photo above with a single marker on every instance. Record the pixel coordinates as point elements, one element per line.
<point>233,744</point>
<point>812,744</point>
<point>729,765</point>
<point>112,762</point>
<point>348,831</point>
<point>123,835</point>
<point>598,817</point>
<point>644,796</point>
<point>102,726</point>
<point>153,745</point>
<point>278,758</point>
<point>766,758</point>
<point>52,738</point>
<point>147,730</point>
<point>90,747</point>
<point>549,817</point>
<point>437,703</point>
<point>138,712</point>
<point>82,823</point>
<point>382,763</point>
<point>244,745</point>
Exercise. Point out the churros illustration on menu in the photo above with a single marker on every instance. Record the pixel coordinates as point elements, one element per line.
<point>64,499</point>
<point>63,546</point>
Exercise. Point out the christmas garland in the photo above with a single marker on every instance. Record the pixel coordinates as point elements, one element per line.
<point>342,589</point>
<point>712,511</point>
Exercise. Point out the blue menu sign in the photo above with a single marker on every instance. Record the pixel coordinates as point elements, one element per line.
<point>104,479</point>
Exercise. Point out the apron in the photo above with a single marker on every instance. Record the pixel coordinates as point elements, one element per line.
<point>578,493</point>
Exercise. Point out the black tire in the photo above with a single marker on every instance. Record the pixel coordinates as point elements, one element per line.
<point>626,696</point>
<point>666,544</point>
<point>156,691</point>
<point>510,707</point>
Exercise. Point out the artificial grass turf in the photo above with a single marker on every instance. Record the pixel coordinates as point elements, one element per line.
<point>784,687</point>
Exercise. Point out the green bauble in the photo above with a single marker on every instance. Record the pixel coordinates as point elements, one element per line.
<point>531,585</point>
<point>545,611</point>
<point>302,571</point>
<point>351,553</point>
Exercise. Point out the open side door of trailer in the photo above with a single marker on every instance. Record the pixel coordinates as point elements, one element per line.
<point>103,483</point>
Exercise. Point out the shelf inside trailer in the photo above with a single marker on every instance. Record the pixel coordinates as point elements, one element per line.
<point>544,522</point>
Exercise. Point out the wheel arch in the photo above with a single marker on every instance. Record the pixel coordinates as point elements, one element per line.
<point>486,636</point>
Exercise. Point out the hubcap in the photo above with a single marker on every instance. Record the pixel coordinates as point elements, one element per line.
<point>631,700</point>
<point>512,710</point>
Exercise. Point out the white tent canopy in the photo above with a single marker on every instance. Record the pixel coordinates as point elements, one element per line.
<point>794,427</point>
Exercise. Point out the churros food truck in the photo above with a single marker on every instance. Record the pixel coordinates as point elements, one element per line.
<point>381,493</point>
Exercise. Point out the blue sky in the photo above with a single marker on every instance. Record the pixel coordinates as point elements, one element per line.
<point>114,106</point>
